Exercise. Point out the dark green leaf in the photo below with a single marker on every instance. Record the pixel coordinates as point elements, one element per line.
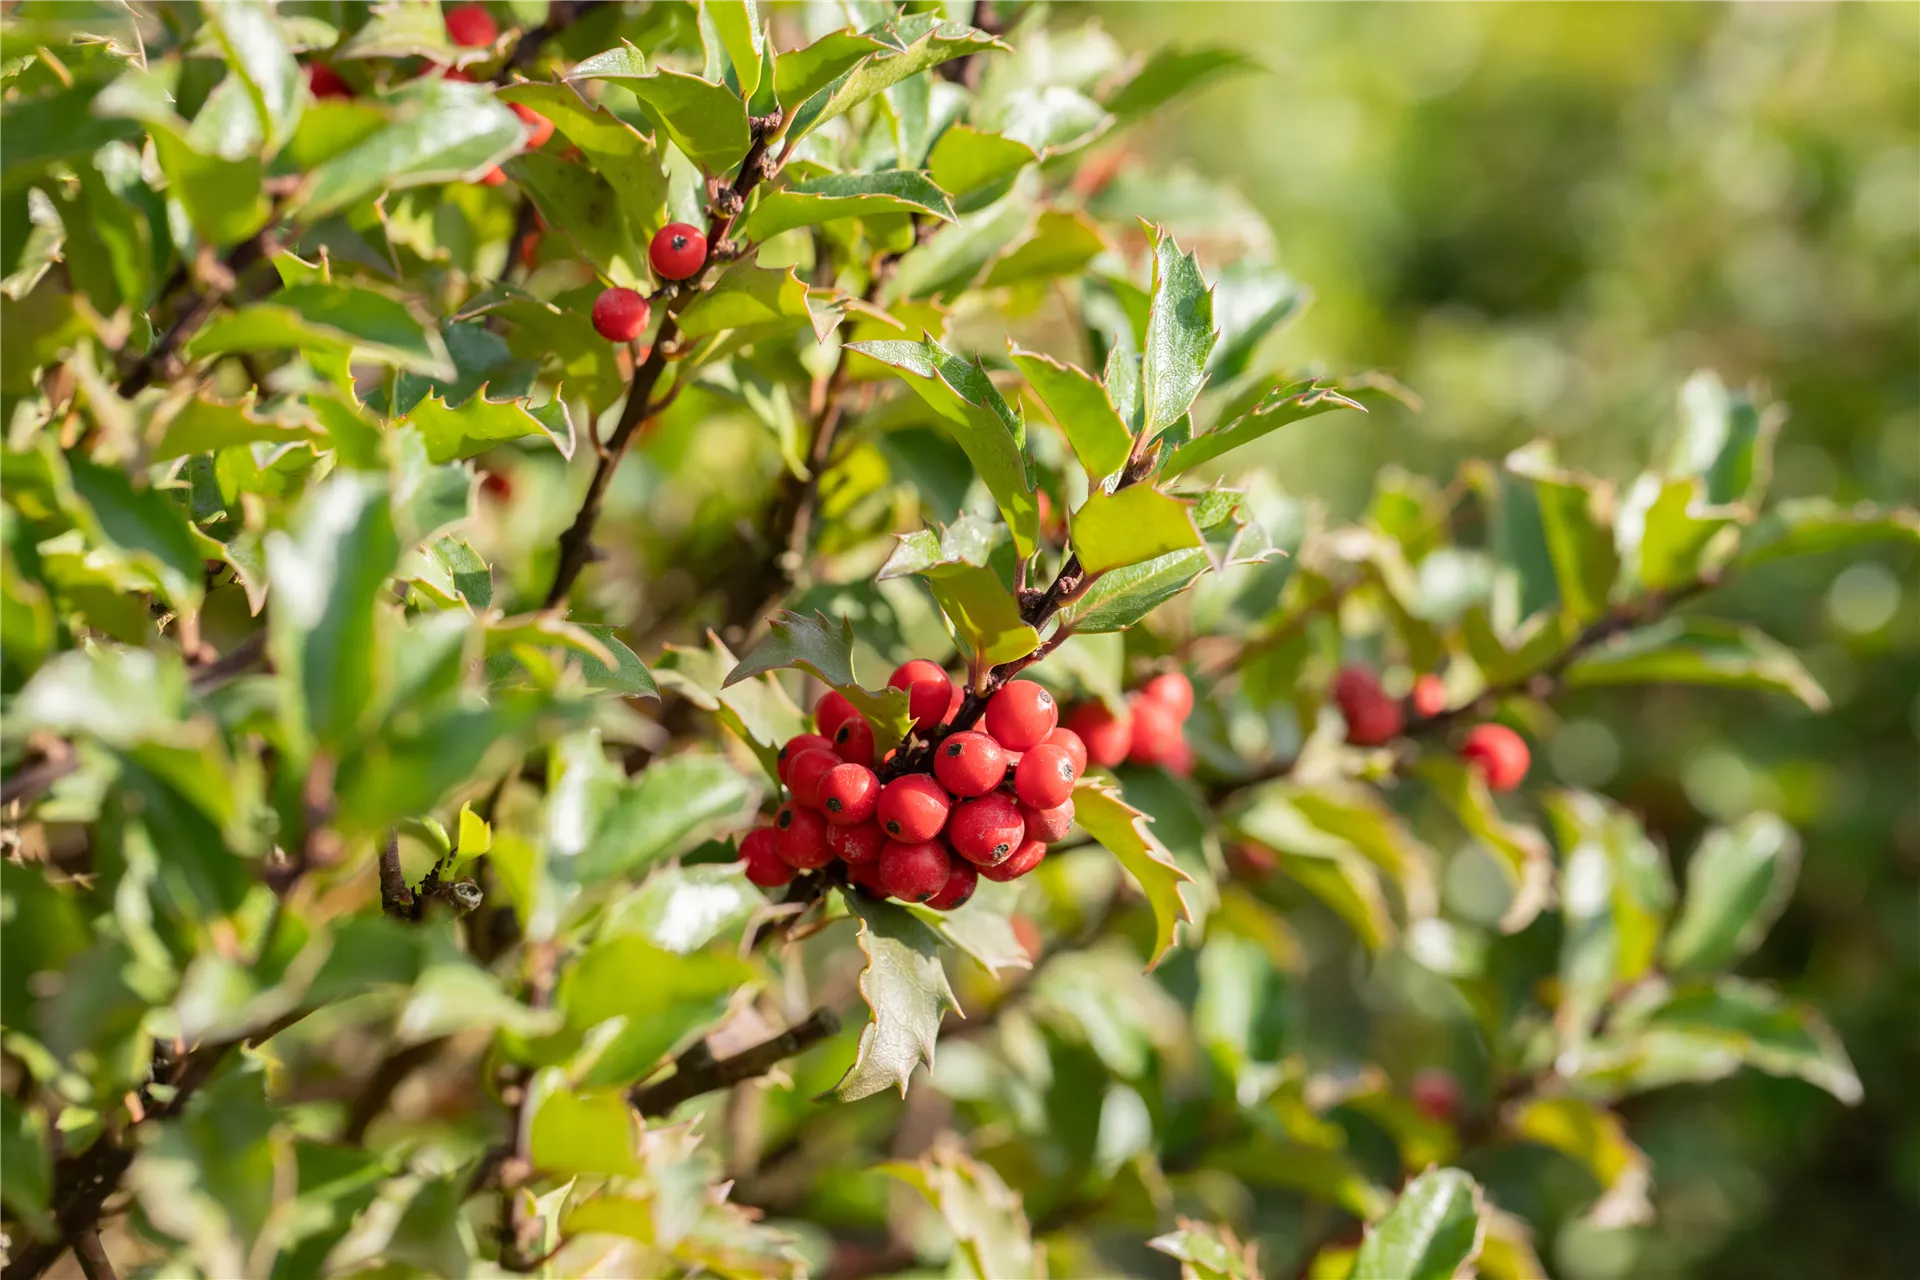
<point>1284,404</point>
<point>1180,337</point>
<point>915,43</point>
<point>441,130</point>
<point>1121,597</point>
<point>584,206</point>
<point>707,121</point>
<point>1580,545</point>
<point>331,320</point>
<point>845,195</point>
<point>1431,1233</point>
<point>627,159</point>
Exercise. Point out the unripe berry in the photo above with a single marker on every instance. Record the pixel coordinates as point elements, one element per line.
<point>832,711</point>
<point>324,82</point>
<point>1021,715</point>
<point>1156,733</point>
<point>969,764</point>
<point>1171,690</point>
<point>858,845</point>
<point>620,315</point>
<point>1107,735</point>
<point>853,741</point>
<point>805,773</point>
<point>539,128</point>
<point>1436,1093</point>
<point>471,27</point>
<point>1048,825</point>
<point>795,745</point>
<point>929,692</point>
<point>1429,696</point>
<point>914,872</point>
<point>1499,754</point>
<point>961,882</point>
<point>1069,741</point>
<point>987,830</point>
<point>913,808</point>
<point>678,251</point>
<point>1372,717</point>
<point>800,838</point>
<point>1018,863</point>
<point>764,864</point>
<point>849,794</point>
<point>1045,777</point>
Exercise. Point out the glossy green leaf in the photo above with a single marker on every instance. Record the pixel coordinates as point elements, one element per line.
<point>707,121</point>
<point>626,675</point>
<point>1061,244</point>
<point>757,709</point>
<point>204,426</point>
<point>740,29</point>
<point>581,1132</point>
<point>905,986</point>
<point>1125,833</point>
<point>1133,525</point>
<point>1284,404</point>
<point>1579,544</point>
<point>1121,597</point>
<point>331,320</point>
<point>969,540</point>
<point>1595,1139</point>
<point>480,424</point>
<point>681,909</point>
<point>751,297</point>
<point>845,195</point>
<point>145,524</point>
<point>966,159</point>
<point>665,808</point>
<point>681,996</point>
<point>1052,119</point>
<point>1690,650</point>
<point>914,43</point>
<point>1079,403</point>
<point>1738,883</point>
<point>1431,1233</point>
<point>814,646</point>
<point>223,198</point>
<point>440,131</point>
<point>800,73</point>
<point>1180,337</point>
<point>249,35</point>
<point>982,613</point>
<point>626,158</point>
<point>585,208</point>
<point>1324,862</point>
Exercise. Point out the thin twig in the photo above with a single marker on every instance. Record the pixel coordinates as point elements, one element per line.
<point>163,361</point>
<point>395,898</point>
<point>94,1263</point>
<point>697,1071</point>
<point>380,1086</point>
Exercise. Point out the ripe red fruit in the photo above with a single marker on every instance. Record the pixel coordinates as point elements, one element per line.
<point>620,315</point>
<point>853,741</point>
<point>539,128</point>
<point>832,711</point>
<point>795,745</point>
<point>1048,825</point>
<point>954,703</point>
<point>1107,735</point>
<point>914,872</point>
<point>324,82</point>
<point>678,251</point>
<point>858,845</point>
<point>1069,741</point>
<point>1429,695</point>
<point>471,27</point>
<point>493,177</point>
<point>1180,761</point>
<point>1156,733</point>
<point>1017,864</point>
<point>1171,690</point>
<point>987,830</point>
<point>496,485</point>
<point>1436,1093</point>
<point>806,771</point>
<point>969,764</point>
<point>849,794</point>
<point>1021,715</point>
<point>764,865</point>
<point>800,837</point>
<point>929,692</point>
<point>1372,717</point>
<point>865,876</point>
<point>1045,777</point>
<point>913,808</point>
<point>962,879</point>
<point>1499,753</point>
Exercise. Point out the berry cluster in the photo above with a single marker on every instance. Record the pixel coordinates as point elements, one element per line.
<point>1374,719</point>
<point>1149,730</point>
<point>677,252</point>
<point>994,799</point>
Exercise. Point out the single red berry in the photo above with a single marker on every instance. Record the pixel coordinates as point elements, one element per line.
<point>446,73</point>
<point>795,745</point>
<point>496,485</point>
<point>493,177</point>
<point>954,702</point>
<point>1021,715</point>
<point>530,251</point>
<point>806,771</point>
<point>1156,732</point>
<point>1069,741</point>
<point>678,251</point>
<point>801,837</point>
<point>1018,863</point>
<point>853,741</point>
<point>914,872</point>
<point>1045,777</point>
<point>620,315</point>
<point>969,764</point>
<point>1107,735</point>
<point>1171,690</point>
<point>961,881</point>
<point>865,876</point>
<point>764,864</point>
<point>1436,1093</point>
<point>1373,718</point>
<point>987,830</point>
<point>1429,696</point>
<point>1499,753</point>
<point>1048,825</point>
<point>913,808</point>
<point>849,794</point>
<point>324,82</point>
<point>1179,761</point>
<point>929,692</point>
<point>471,27</point>
<point>832,711</point>
<point>858,845</point>
<point>539,128</point>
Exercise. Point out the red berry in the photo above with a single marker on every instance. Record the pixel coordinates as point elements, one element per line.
<point>1156,732</point>
<point>678,251</point>
<point>914,872</point>
<point>832,711</point>
<point>764,865</point>
<point>1021,715</point>
<point>1018,863</point>
<point>795,745</point>
<point>1045,777</point>
<point>324,82</point>
<point>857,846</point>
<point>1436,1093</point>
<point>954,703</point>
<point>1108,735</point>
<point>539,128</point>
<point>493,177</point>
<point>800,838</point>
<point>530,251</point>
<point>471,27</point>
<point>1372,717</point>
<point>446,73</point>
<point>853,741</point>
<point>865,876</point>
<point>806,771</point>
<point>620,315</point>
<point>1171,690</point>
<point>969,764</point>
<point>929,692</point>
<point>1069,741</point>
<point>1429,696</point>
<point>1499,753</point>
<point>849,794</point>
<point>1048,825</point>
<point>986,830</point>
<point>961,881</point>
<point>496,485</point>
<point>913,808</point>
<point>1180,761</point>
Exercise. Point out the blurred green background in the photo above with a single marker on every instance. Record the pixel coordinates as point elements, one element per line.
<point>1541,218</point>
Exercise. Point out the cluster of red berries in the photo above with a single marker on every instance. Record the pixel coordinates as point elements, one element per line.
<point>1149,730</point>
<point>1374,719</point>
<point>995,798</point>
<point>677,252</point>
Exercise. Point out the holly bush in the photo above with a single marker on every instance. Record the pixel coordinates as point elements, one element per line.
<point>454,460</point>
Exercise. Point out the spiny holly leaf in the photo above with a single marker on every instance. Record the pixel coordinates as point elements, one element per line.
<point>1078,402</point>
<point>1284,404</point>
<point>812,645</point>
<point>1738,882</point>
<point>1432,1232</point>
<point>626,675</point>
<point>915,43</point>
<point>441,130</point>
<point>707,121</point>
<point>983,927</point>
<point>1121,597</point>
<point>906,987</point>
<point>1135,524</point>
<point>1702,651</point>
<point>204,426</point>
<point>758,709</point>
<point>628,159</point>
<point>1180,336</point>
<point>331,320</point>
<point>754,297</point>
<point>1595,1139</point>
<point>588,211</point>
<point>969,540</point>
<point>1207,1252</point>
<point>845,195</point>
<point>992,1239</point>
<point>800,73</point>
<point>1123,831</point>
<point>480,424</point>
<point>982,614</point>
<point>738,24</point>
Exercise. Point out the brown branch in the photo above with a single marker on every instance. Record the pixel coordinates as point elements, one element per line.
<point>697,1071</point>
<point>379,1088</point>
<point>94,1263</point>
<point>35,780</point>
<point>163,362</point>
<point>396,899</point>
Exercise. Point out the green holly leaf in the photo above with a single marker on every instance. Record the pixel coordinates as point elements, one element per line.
<point>1431,1233</point>
<point>1060,244</point>
<point>584,206</point>
<point>967,160</point>
<point>626,158</point>
<point>1702,651</point>
<point>1180,336</point>
<point>144,524</point>
<point>813,646</point>
<point>1121,597</point>
<point>915,43</point>
<point>905,986</point>
<point>1520,851</point>
<point>969,540</point>
<point>1594,1138</point>
<point>1578,542</point>
<point>250,38</point>
<point>439,131</point>
<point>1726,439</point>
<point>1123,831</point>
<point>738,24</point>
<point>982,613</point>
<point>845,195</point>
<point>1664,531</point>
<point>1738,883</point>
<point>707,121</point>
<point>224,197</point>
<point>204,426</point>
<point>1079,403</point>
<point>1250,300</point>
<point>800,73</point>
<point>626,675</point>
<point>331,321</point>
<point>756,298</point>
<point>480,424</point>
<point>1285,404</point>
<point>756,709</point>
<point>1135,524</point>
<point>1171,72</point>
<point>581,1132</point>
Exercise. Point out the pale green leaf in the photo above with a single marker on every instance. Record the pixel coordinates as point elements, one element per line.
<point>1135,524</point>
<point>1123,830</point>
<point>1079,403</point>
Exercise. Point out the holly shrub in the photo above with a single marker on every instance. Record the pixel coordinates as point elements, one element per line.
<point>469,473</point>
